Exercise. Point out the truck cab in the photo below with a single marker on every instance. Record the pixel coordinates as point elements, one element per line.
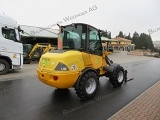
<point>11,49</point>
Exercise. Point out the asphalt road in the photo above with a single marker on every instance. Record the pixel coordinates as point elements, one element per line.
<point>29,99</point>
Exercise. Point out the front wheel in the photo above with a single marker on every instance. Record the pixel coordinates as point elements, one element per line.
<point>118,76</point>
<point>4,67</point>
<point>88,85</point>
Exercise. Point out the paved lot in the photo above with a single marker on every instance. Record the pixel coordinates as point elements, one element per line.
<point>36,98</point>
<point>30,99</point>
<point>123,57</point>
<point>30,69</point>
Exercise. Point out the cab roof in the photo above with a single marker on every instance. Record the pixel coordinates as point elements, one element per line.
<point>7,21</point>
<point>80,24</point>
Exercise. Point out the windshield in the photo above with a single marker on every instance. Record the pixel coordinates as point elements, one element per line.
<point>74,37</point>
<point>27,47</point>
<point>11,34</point>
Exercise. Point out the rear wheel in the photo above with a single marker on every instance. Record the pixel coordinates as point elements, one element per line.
<point>4,67</point>
<point>117,77</point>
<point>88,85</point>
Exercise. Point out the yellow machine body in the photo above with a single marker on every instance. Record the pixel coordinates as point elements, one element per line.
<point>75,61</point>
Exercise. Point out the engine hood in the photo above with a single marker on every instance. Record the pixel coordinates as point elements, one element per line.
<point>69,58</point>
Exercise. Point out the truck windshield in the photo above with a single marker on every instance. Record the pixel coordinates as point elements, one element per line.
<point>11,34</point>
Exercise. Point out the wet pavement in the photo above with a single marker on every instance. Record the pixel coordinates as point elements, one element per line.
<point>29,99</point>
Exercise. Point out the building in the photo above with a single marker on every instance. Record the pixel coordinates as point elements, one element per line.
<point>106,43</point>
<point>33,35</point>
<point>117,43</point>
<point>122,44</point>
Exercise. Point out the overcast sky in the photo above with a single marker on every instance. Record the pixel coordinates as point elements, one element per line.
<point>112,15</point>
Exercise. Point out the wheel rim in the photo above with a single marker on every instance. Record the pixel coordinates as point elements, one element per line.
<point>2,67</point>
<point>90,86</point>
<point>120,76</point>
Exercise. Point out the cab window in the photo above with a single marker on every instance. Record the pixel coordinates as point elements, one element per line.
<point>9,34</point>
<point>74,37</point>
<point>95,46</point>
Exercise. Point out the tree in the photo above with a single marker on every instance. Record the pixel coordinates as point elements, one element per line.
<point>109,35</point>
<point>106,33</point>
<point>121,34</point>
<point>128,37</point>
<point>135,39</point>
<point>142,41</point>
<point>150,43</point>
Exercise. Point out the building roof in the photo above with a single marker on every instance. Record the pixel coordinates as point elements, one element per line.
<point>122,39</point>
<point>31,31</point>
<point>116,45</point>
<point>105,39</point>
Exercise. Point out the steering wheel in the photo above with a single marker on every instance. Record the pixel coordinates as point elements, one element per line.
<point>94,46</point>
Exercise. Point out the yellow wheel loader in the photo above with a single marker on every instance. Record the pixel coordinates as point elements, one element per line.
<point>79,62</point>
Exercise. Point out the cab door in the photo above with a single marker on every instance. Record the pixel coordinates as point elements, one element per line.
<point>95,47</point>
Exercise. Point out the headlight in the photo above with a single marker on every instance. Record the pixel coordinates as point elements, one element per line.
<point>61,67</point>
<point>14,55</point>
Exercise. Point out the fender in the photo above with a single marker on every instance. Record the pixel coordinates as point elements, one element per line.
<point>111,67</point>
<point>7,59</point>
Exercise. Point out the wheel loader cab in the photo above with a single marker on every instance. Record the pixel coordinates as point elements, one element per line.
<point>82,37</point>
<point>85,39</point>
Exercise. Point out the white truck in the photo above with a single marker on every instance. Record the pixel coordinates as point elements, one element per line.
<point>11,48</point>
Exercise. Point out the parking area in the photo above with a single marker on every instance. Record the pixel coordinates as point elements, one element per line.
<point>30,69</point>
<point>23,96</point>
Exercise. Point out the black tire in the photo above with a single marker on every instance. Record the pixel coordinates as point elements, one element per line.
<point>26,61</point>
<point>118,76</point>
<point>4,67</point>
<point>88,85</point>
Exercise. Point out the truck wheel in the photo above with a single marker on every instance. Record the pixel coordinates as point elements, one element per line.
<point>88,85</point>
<point>117,77</point>
<point>28,61</point>
<point>4,67</point>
